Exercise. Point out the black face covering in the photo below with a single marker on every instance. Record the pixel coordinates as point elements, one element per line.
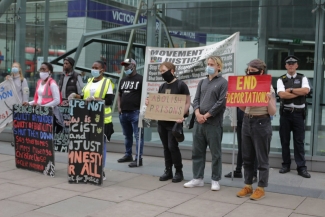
<point>254,73</point>
<point>168,76</point>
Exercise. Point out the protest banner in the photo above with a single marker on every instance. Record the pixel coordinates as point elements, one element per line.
<point>61,139</point>
<point>248,90</point>
<point>8,97</point>
<point>167,107</point>
<point>86,140</point>
<point>33,136</point>
<point>190,66</point>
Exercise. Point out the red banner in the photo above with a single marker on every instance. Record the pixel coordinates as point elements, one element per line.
<point>248,90</point>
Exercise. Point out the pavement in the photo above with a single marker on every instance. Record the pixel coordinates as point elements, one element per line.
<point>138,192</point>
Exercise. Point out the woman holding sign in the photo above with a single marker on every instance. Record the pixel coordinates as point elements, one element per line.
<point>256,137</point>
<point>47,91</point>
<point>100,88</point>
<point>172,153</point>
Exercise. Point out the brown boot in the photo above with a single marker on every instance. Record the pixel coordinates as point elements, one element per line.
<point>258,194</point>
<point>245,191</point>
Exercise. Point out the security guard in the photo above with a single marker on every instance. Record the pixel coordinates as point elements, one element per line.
<point>292,89</point>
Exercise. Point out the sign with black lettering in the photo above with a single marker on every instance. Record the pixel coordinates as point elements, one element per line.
<point>61,139</point>
<point>86,140</point>
<point>33,133</point>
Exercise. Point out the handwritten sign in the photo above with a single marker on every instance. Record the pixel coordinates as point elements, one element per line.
<point>86,141</point>
<point>248,90</point>
<point>167,107</point>
<point>61,139</point>
<point>8,97</point>
<point>33,133</point>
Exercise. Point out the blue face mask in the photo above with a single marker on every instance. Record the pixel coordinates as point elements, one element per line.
<point>209,70</point>
<point>128,71</point>
<point>95,73</point>
<point>14,70</point>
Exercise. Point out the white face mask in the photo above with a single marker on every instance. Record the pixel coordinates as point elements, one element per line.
<point>14,70</point>
<point>44,75</point>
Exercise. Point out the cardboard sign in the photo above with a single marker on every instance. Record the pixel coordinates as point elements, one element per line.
<point>86,140</point>
<point>248,90</point>
<point>33,136</point>
<point>61,139</point>
<point>166,107</point>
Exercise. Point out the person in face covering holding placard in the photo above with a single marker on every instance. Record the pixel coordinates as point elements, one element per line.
<point>100,88</point>
<point>168,138</point>
<point>20,82</point>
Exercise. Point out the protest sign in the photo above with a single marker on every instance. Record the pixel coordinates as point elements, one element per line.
<point>248,90</point>
<point>86,140</point>
<point>33,135</point>
<point>167,107</point>
<point>190,66</point>
<point>61,139</point>
<point>8,97</point>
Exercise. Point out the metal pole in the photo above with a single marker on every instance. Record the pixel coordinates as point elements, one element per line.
<point>21,34</point>
<point>233,155</point>
<point>46,30</point>
<point>151,24</point>
<point>262,33</point>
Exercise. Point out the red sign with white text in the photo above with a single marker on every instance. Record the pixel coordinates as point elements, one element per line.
<point>249,90</point>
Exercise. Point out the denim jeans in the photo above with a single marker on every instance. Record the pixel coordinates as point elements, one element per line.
<point>129,122</point>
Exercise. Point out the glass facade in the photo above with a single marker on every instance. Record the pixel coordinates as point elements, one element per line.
<point>269,30</point>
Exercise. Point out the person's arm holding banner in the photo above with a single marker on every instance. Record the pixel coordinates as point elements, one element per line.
<point>271,108</point>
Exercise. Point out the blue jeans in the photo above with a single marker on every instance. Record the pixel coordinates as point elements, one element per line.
<point>129,122</point>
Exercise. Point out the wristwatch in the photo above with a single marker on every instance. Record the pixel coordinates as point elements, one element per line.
<point>291,90</point>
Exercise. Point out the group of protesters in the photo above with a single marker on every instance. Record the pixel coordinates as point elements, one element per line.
<point>209,104</point>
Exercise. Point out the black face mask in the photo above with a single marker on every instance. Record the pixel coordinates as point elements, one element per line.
<point>254,73</point>
<point>168,76</point>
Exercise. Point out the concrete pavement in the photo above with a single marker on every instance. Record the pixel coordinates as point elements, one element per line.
<point>138,192</point>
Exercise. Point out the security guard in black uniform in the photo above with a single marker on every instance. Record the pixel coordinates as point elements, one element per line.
<point>292,89</point>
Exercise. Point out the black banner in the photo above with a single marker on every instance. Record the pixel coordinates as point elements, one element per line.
<point>61,139</point>
<point>33,132</point>
<point>86,141</point>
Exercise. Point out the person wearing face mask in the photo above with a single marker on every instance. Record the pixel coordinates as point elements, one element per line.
<point>70,82</point>
<point>256,138</point>
<point>209,105</point>
<point>100,88</point>
<point>47,91</point>
<point>172,153</point>
<point>21,83</point>
<point>128,101</point>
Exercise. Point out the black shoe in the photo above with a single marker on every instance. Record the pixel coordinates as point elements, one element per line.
<point>236,175</point>
<point>135,163</point>
<point>254,179</point>
<point>304,174</point>
<point>178,176</point>
<point>12,144</point>
<point>104,176</point>
<point>167,175</point>
<point>284,170</point>
<point>125,158</point>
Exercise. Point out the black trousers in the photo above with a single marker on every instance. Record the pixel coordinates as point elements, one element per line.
<point>293,121</point>
<point>172,153</point>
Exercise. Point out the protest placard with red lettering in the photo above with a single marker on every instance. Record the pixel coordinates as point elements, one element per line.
<point>248,90</point>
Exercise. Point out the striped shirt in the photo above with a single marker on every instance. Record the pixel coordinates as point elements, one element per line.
<point>211,97</point>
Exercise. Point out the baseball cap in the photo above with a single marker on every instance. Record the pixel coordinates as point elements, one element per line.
<point>128,62</point>
<point>177,132</point>
<point>70,60</point>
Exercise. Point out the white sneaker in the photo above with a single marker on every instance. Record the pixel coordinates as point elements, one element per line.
<point>104,176</point>
<point>215,185</point>
<point>194,183</point>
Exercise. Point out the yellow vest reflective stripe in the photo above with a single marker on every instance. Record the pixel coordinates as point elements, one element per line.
<point>100,93</point>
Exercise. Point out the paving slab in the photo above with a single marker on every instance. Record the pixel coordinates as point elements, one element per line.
<point>299,215</point>
<point>114,193</point>
<point>277,200</point>
<point>169,214</point>
<point>288,179</point>
<point>179,187</point>
<point>35,214</point>
<point>312,206</point>
<point>130,209</point>
<point>163,198</point>
<point>249,210</point>
<point>8,190</point>
<point>44,196</point>
<point>145,182</point>
<point>9,164</point>
<point>76,206</point>
<point>4,181</point>
<point>19,174</point>
<point>40,181</point>
<point>118,176</point>
<point>12,208</point>
<point>225,195</point>
<point>207,208</point>
<point>80,187</point>
<point>4,157</point>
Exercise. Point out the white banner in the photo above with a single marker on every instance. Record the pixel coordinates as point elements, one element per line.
<point>8,97</point>
<point>190,66</point>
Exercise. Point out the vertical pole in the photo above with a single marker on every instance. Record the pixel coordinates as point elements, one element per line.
<point>151,24</point>
<point>21,34</point>
<point>46,30</point>
<point>262,33</point>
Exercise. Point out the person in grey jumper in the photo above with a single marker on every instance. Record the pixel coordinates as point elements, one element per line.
<point>209,105</point>
<point>20,82</point>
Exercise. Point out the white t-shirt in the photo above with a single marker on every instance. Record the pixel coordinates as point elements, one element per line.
<point>95,86</point>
